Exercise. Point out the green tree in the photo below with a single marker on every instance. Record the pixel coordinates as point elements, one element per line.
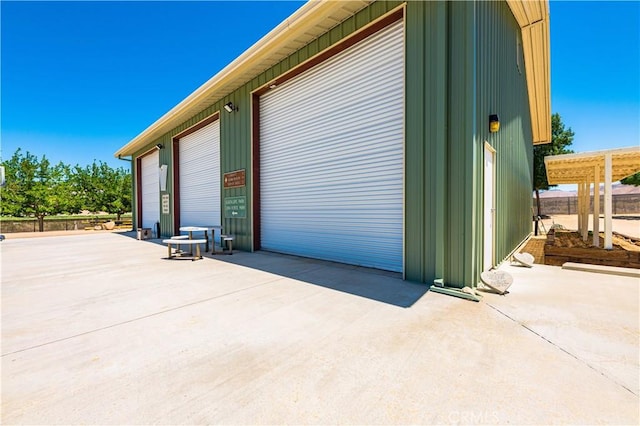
<point>35,188</point>
<point>103,188</point>
<point>561,138</point>
<point>631,180</point>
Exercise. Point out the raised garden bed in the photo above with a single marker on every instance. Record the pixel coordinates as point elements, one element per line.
<point>567,246</point>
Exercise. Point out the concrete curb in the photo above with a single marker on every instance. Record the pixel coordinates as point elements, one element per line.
<point>600,269</point>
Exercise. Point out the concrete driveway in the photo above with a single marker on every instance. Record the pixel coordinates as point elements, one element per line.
<point>100,329</point>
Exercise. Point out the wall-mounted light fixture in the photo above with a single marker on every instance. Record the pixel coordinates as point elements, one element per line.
<point>159,146</point>
<point>494,123</point>
<point>230,107</point>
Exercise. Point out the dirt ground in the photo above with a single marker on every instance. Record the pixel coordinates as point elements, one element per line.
<point>571,239</point>
<point>628,225</point>
<point>626,235</point>
<point>15,235</point>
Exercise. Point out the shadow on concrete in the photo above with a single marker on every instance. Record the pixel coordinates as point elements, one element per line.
<point>626,217</point>
<point>382,286</point>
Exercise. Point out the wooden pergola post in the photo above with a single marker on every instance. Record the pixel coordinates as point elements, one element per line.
<point>579,208</point>
<point>608,171</point>
<point>586,206</point>
<point>596,206</point>
<point>587,167</point>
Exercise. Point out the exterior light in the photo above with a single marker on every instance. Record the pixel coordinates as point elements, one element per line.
<point>159,146</point>
<point>494,123</point>
<point>230,107</point>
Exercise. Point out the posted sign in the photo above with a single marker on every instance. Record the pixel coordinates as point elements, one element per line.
<point>234,179</point>
<point>235,207</point>
<point>165,203</point>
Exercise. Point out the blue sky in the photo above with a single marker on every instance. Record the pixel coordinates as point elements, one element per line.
<point>81,79</point>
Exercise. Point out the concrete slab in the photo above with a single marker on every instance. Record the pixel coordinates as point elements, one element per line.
<point>100,329</point>
<point>591,316</point>
<point>602,269</point>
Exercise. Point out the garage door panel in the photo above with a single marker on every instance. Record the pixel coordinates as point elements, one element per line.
<point>345,108</point>
<point>322,81</point>
<point>199,157</point>
<point>150,186</point>
<point>332,157</point>
<point>339,148</point>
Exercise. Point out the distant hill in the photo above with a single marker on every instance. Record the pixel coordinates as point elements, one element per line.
<point>617,189</point>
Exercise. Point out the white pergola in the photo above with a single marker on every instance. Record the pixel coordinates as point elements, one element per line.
<point>594,168</point>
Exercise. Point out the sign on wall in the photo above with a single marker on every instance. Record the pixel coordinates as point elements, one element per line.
<point>235,207</point>
<point>235,179</point>
<point>165,203</point>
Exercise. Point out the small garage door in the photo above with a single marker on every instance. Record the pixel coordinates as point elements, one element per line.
<point>199,168</point>
<point>150,185</point>
<point>332,157</point>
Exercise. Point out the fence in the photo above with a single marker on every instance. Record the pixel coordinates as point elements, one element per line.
<point>31,225</point>
<point>621,204</point>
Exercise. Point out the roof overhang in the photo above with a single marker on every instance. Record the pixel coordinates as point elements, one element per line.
<point>581,167</point>
<point>316,18</point>
<point>306,24</point>
<point>533,18</point>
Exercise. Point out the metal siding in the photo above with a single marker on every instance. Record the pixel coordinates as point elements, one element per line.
<point>200,176</point>
<point>236,155</point>
<point>425,197</point>
<point>235,128</point>
<point>166,220</point>
<point>332,156</point>
<point>150,190</point>
<point>462,149</point>
<point>502,90</point>
<point>415,173</point>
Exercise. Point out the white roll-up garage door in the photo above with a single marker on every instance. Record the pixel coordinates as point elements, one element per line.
<point>332,157</point>
<point>150,184</point>
<point>199,168</point>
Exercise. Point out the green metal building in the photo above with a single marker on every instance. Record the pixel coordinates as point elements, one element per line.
<point>359,132</point>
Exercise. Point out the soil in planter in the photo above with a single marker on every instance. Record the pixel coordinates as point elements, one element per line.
<point>568,246</point>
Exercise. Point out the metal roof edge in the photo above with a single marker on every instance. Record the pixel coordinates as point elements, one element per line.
<point>590,154</point>
<point>309,9</point>
<point>315,9</point>
<point>533,18</point>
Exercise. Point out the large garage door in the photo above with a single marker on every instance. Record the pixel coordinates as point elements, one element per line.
<point>150,184</point>
<point>199,168</point>
<point>332,162</point>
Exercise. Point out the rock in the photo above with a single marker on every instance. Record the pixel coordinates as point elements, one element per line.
<point>469,290</point>
<point>497,280</point>
<point>524,259</point>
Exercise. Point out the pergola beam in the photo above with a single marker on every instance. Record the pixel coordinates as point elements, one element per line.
<point>593,167</point>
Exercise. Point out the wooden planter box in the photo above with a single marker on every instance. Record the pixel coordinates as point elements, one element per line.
<point>557,256</point>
